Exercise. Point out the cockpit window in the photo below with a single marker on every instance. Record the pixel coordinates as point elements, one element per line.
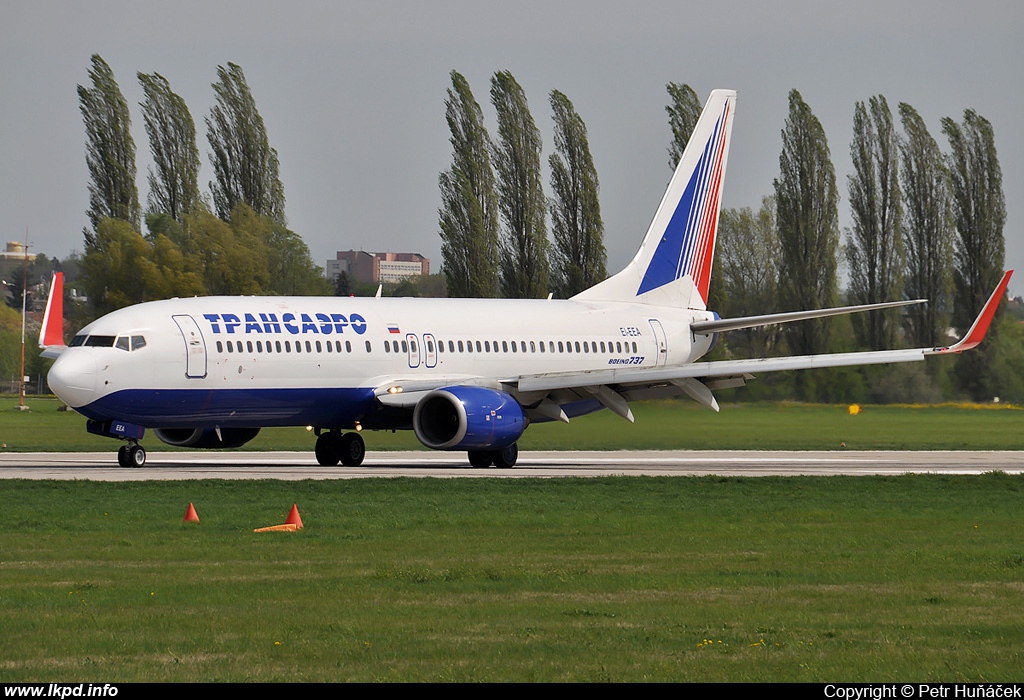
<point>77,340</point>
<point>138,342</point>
<point>122,343</point>
<point>100,341</point>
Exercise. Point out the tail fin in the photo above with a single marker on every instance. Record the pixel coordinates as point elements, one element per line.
<point>51,332</point>
<point>673,265</point>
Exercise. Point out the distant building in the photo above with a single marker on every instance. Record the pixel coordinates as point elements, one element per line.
<point>377,268</point>
<point>12,261</point>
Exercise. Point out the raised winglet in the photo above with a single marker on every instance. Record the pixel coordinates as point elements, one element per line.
<point>51,332</point>
<point>981,324</point>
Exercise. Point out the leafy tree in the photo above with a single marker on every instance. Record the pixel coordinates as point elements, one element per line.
<point>979,213</point>
<point>109,149</point>
<point>174,186</point>
<point>123,268</point>
<point>749,257</point>
<point>683,112</point>
<point>875,248</point>
<point>578,253</point>
<point>292,270</point>
<point>927,231</point>
<point>245,166</point>
<point>468,217</point>
<point>807,217</point>
<point>524,247</point>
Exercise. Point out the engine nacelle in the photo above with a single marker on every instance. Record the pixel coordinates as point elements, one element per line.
<point>468,418</point>
<point>206,438</point>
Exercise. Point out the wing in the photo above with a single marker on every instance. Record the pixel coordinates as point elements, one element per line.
<point>614,388</point>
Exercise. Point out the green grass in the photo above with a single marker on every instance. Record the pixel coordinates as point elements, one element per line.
<point>618,579</point>
<point>659,425</point>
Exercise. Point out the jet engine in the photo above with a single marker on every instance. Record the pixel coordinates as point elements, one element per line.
<point>468,418</point>
<point>206,438</point>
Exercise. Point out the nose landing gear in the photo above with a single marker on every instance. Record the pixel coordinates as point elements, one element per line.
<point>131,456</point>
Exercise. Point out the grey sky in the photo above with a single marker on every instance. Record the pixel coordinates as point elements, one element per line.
<point>352,94</point>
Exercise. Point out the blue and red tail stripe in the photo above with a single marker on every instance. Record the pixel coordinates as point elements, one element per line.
<point>688,243</point>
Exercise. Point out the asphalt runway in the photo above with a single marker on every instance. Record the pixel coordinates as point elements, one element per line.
<point>102,466</point>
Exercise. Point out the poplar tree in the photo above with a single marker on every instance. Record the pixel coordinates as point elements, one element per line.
<point>874,250</point>
<point>174,177</point>
<point>979,213</point>
<point>468,217</point>
<point>927,231</point>
<point>109,150</point>
<point>683,112</point>
<point>807,216</point>
<point>245,166</point>
<point>578,254</point>
<point>524,246</point>
<point>749,259</point>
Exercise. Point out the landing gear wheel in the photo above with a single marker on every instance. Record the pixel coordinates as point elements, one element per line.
<point>122,457</point>
<point>480,459</point>
<point>506,457</point>
<point>352,449</point>
<point>327,452</point>
<point>136,456</point>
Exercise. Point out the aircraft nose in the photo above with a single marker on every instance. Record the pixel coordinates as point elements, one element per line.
<point>73,378</point>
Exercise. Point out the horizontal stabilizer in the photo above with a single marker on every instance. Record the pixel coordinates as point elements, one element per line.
<point>735,324</point>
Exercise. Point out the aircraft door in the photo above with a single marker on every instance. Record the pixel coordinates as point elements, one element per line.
<point>430,350</point>
<point>414,350</point>
<point>195,346</point>
<point>660,342</point>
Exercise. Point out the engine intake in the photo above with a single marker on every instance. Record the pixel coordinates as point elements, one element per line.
<point>468,418</point>
<point>206,438</point>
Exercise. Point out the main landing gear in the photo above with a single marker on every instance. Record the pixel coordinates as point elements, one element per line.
<point>333,447</point>
<point>505,458</point>
<point>131,456</point>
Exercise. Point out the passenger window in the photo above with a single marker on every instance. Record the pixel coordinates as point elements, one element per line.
<point>231,346</point>
<point>220,348</point>
<point>309,347</point>
<point>348,345</point>
<point>478,346</point>
<point>248,345</point>
<point>287,346</point>
<point>586,348</point>
<point>318,348</point>
<point>533,347</point>
<point>504,346</point>
<point>513,346</point>
<point>277,345</point>
<point>369,348</point>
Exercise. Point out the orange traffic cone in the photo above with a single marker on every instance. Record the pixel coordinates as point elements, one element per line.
<point>190,515</point>
<point>293,518</point>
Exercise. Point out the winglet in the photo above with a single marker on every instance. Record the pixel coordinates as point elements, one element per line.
<point>984,320</point>
<point>51,332</point>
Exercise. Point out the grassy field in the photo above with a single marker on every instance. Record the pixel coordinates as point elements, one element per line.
<point>621,579</point>
<point>659,425</point>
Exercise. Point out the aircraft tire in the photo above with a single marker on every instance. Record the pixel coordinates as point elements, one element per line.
<point>506,457</point>
<point>327,452</point>
<point>137,456</point>
<point>352,449</point>
<point>480,459</point>
<point>122,457</point>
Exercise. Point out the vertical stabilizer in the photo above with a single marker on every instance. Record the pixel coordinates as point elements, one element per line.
<point>673,265</point>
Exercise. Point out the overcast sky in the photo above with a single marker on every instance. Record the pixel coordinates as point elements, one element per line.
<point>353,93</point>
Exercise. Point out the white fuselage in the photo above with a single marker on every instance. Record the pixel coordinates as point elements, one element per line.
<point>263,361</point>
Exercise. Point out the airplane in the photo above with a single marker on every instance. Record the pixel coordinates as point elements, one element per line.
<point>463,374</point>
